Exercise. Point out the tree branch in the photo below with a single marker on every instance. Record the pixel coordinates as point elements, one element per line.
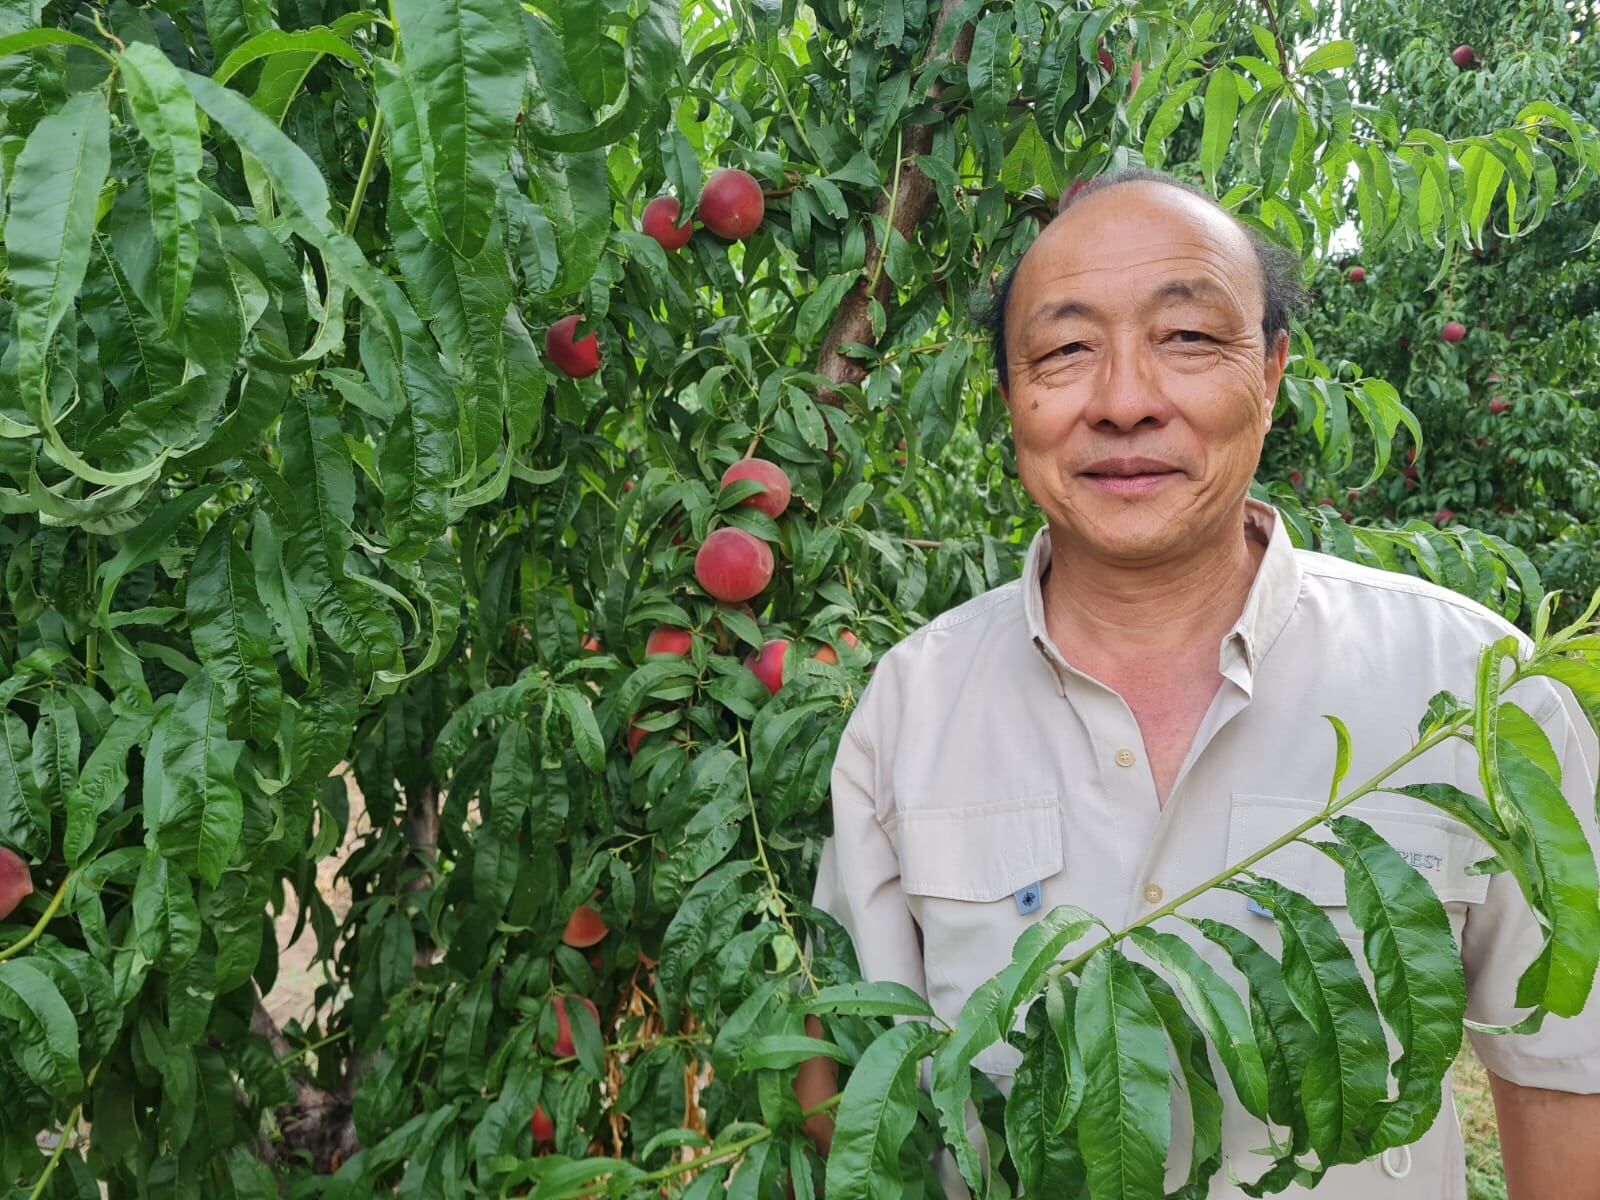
<point>905,204</point>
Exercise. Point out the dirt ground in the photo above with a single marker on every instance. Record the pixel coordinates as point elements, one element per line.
<point>297,981</point>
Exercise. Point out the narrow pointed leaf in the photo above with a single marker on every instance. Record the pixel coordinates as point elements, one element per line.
<point>1124,1127</point>
<point>1416,969</point>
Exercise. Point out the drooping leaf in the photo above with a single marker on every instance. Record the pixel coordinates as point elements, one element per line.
<point>465,61</point>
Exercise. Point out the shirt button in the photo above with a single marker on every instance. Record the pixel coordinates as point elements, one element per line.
<point>1125,757</point>
<point>1153,893</point>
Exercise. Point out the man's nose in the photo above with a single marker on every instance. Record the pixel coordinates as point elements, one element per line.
<point>1126,391</point>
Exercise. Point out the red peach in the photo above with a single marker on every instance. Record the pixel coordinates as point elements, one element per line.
<point>660,221</point>
<point>1357,274</point>
<point>1498,404</point>
<point>16,882</point>
<point>733,565</point>
<point>578,359</point>
<point>1444,516</point>
<point>563,1046</point>
<point>636,735</point>
<point>1463,56</point>
<point>585,928</point>
<point>1453,331</point>
<point>774,497</point>
<point>731,203</point>
<point>831,656</point>
<point>591,643</point>
<point>544,1129</point>
<point>668,639</point>
<point>767,664</point>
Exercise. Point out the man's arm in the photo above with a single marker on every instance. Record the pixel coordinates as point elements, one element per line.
<point>1549,1140</point>
<point>858,884</point>
<point>817,1081</point>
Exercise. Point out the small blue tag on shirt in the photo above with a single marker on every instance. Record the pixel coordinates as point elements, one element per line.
<point>1028,898</point>
<point>1258,908</point>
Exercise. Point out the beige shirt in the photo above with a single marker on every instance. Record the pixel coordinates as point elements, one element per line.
<point>978,762</point>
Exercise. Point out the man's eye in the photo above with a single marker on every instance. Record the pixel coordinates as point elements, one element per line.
<point>1069,348</point>
<point>1192,335</point>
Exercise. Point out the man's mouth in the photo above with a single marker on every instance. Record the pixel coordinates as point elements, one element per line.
<point>1131,481</point>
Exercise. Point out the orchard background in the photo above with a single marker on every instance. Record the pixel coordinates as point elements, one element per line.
<point>301,493</point>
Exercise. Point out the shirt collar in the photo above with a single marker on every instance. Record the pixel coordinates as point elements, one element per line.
<point>1272,597</point>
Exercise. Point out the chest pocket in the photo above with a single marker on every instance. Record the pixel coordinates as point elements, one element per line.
<point>960,868</point>
<point>979,854</point>
<point>1439,847</point>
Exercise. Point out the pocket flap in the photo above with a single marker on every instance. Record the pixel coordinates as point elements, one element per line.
<point>1439,847</point>
<point>979,853</point>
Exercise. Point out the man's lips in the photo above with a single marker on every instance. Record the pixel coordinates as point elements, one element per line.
<point>1132,485</point>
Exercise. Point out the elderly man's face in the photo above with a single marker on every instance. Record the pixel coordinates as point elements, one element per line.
<point>1134,333</point>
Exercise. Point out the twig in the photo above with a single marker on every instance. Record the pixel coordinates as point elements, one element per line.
<point>34,934</point>
<point>1277,37</point>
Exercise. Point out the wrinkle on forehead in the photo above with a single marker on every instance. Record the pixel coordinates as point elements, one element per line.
<point>1092,245</point>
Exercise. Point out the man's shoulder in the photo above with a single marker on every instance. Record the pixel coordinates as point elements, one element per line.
<point>965,624</point>
<point>1364,592</point>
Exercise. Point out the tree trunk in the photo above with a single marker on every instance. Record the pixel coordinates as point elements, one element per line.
<point>909,204</point>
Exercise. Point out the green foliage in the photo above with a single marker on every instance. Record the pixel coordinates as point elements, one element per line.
<point>292,497</point>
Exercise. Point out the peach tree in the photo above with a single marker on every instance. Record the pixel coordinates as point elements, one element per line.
<point>375,469</point>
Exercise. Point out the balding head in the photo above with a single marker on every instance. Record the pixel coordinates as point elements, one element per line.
<point>1278,270</point>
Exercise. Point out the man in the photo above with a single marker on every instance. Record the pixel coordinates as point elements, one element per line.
<point>1145,706</point>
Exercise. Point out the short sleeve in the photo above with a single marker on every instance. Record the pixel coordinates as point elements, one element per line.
<point>1502,937</point>
<point>858,878</point>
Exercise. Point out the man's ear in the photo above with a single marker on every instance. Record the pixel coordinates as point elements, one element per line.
<point>1277,360</point>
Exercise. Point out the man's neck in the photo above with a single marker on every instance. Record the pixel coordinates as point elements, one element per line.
<point>1139,616</point>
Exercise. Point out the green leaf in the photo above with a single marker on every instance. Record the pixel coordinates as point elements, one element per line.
<point>586,739</point>
<point>1205,1101</point>
<point>232,632</point>
<point>46,1046</point>
<point>165,114</point>
<point>1332,57</point>
<point>55,186</point>
<point>465,60</point>
<point>297,43</point>
<point>876,1114</point>
<point>1348,1069</point>
<point>24,817</point>
<point>1562,975</point>
<point>1124,1124</point>
<point>202,812</point>
<point>1286,1039</point>
<point>57,744</point>
<point>101,782</point>
<point>689,932</point>
<point>1048,1161</point>
<point>821,305</point>
<point>1341,756</point>
<point>1217,1009</point>
<point>883,998</point>
<point>166,920</point>
<point>1221,111</point>
<point>1416,972</point>
<point>316,465</point>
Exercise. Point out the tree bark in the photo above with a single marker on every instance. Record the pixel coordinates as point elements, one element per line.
<point>422,833</point>
<point>909,203</point>
<point>319,1122</point>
